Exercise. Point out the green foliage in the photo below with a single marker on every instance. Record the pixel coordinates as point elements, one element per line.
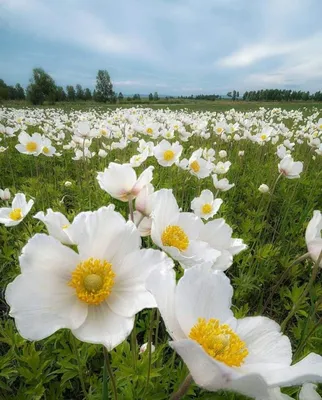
<point>104,87</point>
<point>42,87</point>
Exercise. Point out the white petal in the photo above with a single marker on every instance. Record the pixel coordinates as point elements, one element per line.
<point>308,392</point>
<point>103,326</point>
<point>202,293</point>
<point>144,179</point>
<point>162,284</point>
<point>42,302</point>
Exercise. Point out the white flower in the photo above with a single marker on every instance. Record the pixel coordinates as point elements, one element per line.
<point>241,153</point>
<point>102,153</point>
<point>218,234</point>
<point>196,165</point>
<point>3,149</point>
<point>95,292</point>
<point>144,348</point>
<point>11,216</point>
<point>281,151</point>
<point>68,183</point>
<point>177,233</point>
<point>222,167</point>
<point>209,154</point>
<point>167,153</point>
<point>120,181</point>
<point>47,149</point>
<point>143,205</point>
<point>83,130</point>
<point>221,184</point>
<point>205,206</point>
<point>249,355</point>
<point>222,154</point>
<point>308,391</point>
<point>57,225</point>
<point>263,188</point>
<point>289,168</point>
<point>29,144</point>
<point>138,159</point>
<point>5,194</point>
<point>313,236</point>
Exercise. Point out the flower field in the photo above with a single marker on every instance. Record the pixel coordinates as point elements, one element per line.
<point>160,254</point>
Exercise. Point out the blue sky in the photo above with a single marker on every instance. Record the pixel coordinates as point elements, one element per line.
<point>169,46</point>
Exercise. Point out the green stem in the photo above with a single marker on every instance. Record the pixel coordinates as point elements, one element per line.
<point>149,350</point>
<point>133,346</point>
<point>304,293</point>
<point>182,389</point>
<point>281,280</point>
<point>131,209</point>
<point>105,387</point>
<point>110,372</point>
<point>80,369</point>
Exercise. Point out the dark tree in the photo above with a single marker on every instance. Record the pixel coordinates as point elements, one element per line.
<point>87,94</point>
<point>79,92</point>
<point>104,87</point>
<point>71,94</point>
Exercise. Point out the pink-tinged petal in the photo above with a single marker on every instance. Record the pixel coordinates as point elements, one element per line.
<point>144,179</point>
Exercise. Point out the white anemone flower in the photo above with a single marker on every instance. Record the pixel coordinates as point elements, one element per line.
<point>167,153</point>
<point>138,159</point>
<point>248,355</point>
<point>205,206</point>
<point>102,153</point>
<point>11,216</point>
<point>218,234</point>
<point>57,225</point>
<point>289,168</point>
<point>5,194</point>
<point>95,292</point>
<point>177,233</point>
<point>222,167</point>
<point>308,391</point>
<point>143,206</point>
<point>281,151</point>
<point>313,236</point>
<point>196,165</point>
<point>30,144</point>
<point>222,184</point>
<point>47,149</point>
<point>121,182</point>
<point>263,188</point>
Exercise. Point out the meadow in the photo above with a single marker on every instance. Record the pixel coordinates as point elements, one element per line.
<point>60,158</point>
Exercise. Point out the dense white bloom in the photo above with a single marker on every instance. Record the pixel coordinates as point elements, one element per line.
<point>5,194</point>
<point>308,391</point>
<point>289,168</point>
<point>11,216</point>
<point>47,149</point>
<point>95,292</point>
<point>57,225</point>
<point>263,188</point>
<point>205,206</point>
<point>120,181</point>
<point>221,184</point>
<point>222,167</point>
<point>218,234</point>
<point>196,165</point>
<point>30,144</point>
<point>177,233</point>
<point>83,130</point>
<point>313,236</point>
<point>249,355</point>
<point>222,153</point>
<point>167,153</point>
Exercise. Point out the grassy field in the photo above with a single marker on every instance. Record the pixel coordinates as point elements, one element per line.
<point>264,280</point>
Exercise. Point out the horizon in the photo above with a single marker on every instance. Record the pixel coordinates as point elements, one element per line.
<point>177,48</point>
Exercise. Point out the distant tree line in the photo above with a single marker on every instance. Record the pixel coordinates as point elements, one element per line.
<point>281,95</point>
<point>11,92</point>
<point>210,97</point>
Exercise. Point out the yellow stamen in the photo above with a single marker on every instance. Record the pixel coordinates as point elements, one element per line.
<point>263,137</point>
<point>320,126</point>
<point>168,155</point>
<point>45,150</point>
<point>93,280</point>
<point>219,341</point>
<point>149,131</point>
<point>174,236</point>
<point>65,226</point>
<point>219,130</point>
<point>195,166</point>
<point>206,208</point>
<point>16,214</point>
<point>31,146</point>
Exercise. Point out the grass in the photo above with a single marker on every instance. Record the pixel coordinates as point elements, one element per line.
<point>272,226</point>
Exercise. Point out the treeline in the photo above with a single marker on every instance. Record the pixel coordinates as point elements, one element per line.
<point>210,97</point>
<point>281,95</point>
<point>11,92</point>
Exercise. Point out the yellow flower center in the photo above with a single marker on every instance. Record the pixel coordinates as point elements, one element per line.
<point>206,208</point>
<point>149,131</point>
<point>219,341</point>
<point>263,137</point>
<point>168,155</point>
<point>174,236</point>
<point>93,280</point>
<point>320,126</point>
<point>103,132</point>
<point>45,150</point>
<point>31,146</point>
<point>176,127</point>
<point>65,226</point>
<point>195,166</point>
<point>16,214</point>
<point>219,130</point>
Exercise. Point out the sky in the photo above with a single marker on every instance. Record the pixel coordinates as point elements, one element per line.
<point>169,46</point>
